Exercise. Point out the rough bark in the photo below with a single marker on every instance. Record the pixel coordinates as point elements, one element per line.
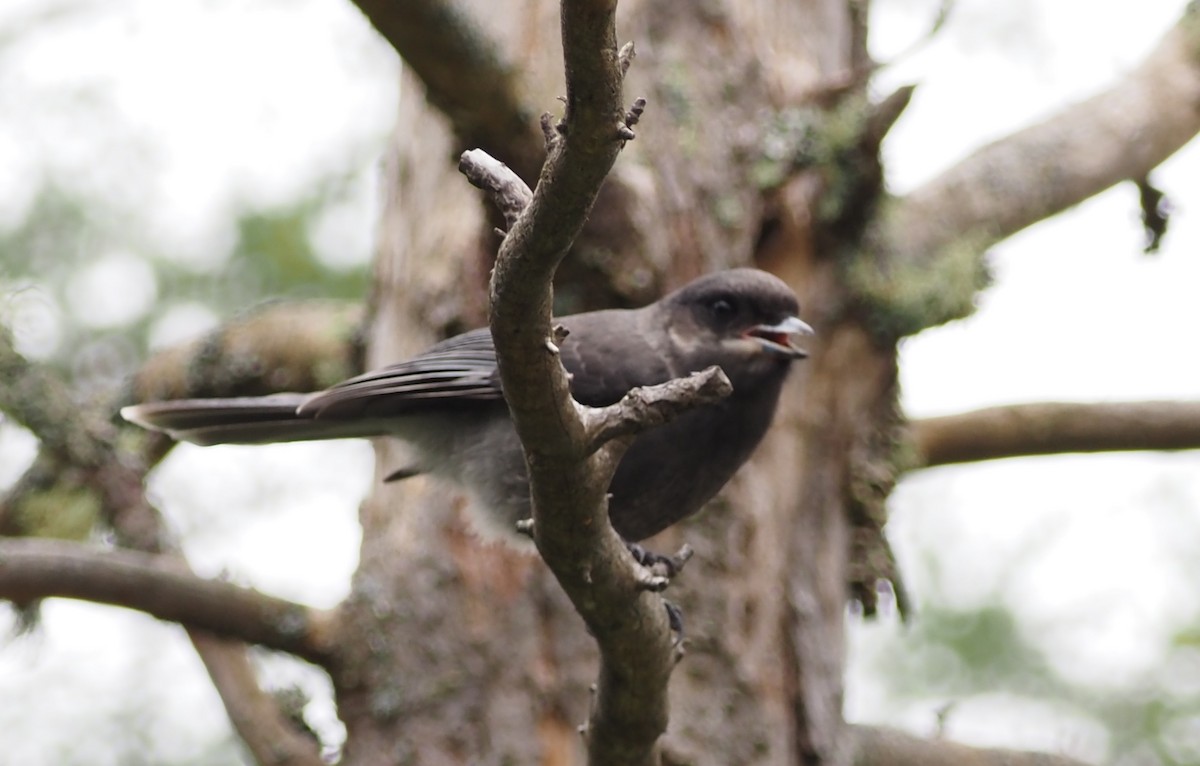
<point>688,164</point>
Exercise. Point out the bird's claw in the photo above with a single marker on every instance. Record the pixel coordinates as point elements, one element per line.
<point>658,566</point>
<point>655,574</point>
<point>525,527</point>
<point>674,618</point>
<point>647,580</point>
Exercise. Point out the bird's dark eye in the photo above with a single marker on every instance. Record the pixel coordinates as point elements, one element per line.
<point>723,309</point>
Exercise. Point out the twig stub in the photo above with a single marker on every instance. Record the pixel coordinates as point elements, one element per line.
<point>508,192</point>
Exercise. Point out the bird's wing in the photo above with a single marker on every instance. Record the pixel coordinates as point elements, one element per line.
<point>456,371</point>
<point>607,354</point>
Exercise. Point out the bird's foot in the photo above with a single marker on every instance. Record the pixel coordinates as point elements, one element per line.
<point>662,567</point>
<point>658,570</point>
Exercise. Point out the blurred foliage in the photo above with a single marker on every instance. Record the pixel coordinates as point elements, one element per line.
<point>954,653</point>
<point>946,657</point>
<point>80,219</point>
<point>65,232</point>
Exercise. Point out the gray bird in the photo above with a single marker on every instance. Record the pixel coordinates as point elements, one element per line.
<point>447,403</point>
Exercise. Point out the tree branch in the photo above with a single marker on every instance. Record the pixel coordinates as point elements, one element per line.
<point>508,192</point>
<point>38,400</point>
<point>286,346</point>
<point>881,746</point>
<point>77,452</point>
<point>40,568</point>
<point>648,406</point>
<point>273,739</point>
<point>1054,427</point>
<point>79,461</point>
<point>465,76</point>
<point>924,251</point>
<point>569,472</point>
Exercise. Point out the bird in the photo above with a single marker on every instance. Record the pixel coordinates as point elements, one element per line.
<point>448,405</point>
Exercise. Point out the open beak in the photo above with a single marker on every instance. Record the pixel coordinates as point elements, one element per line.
<point>777,338</point>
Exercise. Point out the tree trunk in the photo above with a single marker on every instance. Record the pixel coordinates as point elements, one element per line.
<point>472,654</point>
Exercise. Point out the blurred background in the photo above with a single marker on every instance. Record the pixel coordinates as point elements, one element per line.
<point>165,166</point>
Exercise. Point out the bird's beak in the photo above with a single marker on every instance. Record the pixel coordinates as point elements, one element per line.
<point>777,338</point>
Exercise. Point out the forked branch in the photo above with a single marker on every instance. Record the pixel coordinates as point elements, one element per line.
<point>570,466</point>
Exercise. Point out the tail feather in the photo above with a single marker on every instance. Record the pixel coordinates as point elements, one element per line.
<point>243,420</point>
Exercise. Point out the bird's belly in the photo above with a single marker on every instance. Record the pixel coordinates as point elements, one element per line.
<point>479,452</point>
<point>668,473</point>
<point>671,472</point>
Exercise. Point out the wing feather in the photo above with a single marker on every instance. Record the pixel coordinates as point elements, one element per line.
<point>456,372</point>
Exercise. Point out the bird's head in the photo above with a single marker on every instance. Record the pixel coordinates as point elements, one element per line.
<point>743,320</point>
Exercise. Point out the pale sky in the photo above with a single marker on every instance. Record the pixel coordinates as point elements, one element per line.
<point>232,102</point>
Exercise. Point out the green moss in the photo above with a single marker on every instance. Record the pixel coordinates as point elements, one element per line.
<point>729,211</point>
<point>833,143</point>
<point>903,295</point>
<point>790,141</point>
<point>61,513</point>
<point>905,456</point>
